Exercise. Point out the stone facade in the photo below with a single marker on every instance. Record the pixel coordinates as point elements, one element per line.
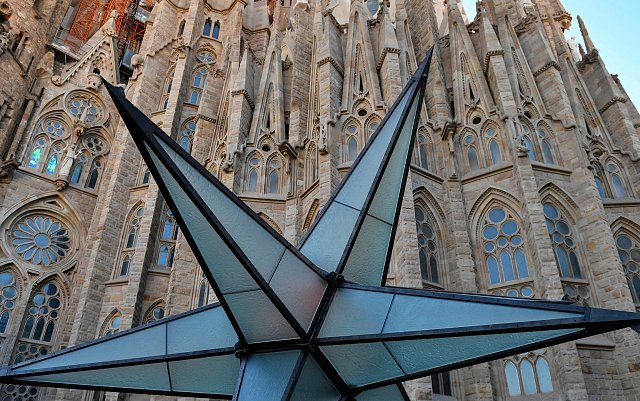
<point>523,182</point>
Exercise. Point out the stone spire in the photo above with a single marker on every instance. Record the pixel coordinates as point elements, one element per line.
<point>585,35</point>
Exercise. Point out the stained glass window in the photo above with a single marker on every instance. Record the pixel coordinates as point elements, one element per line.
<point>55,128</point>
<point>9,293</point>
<point>155,313</point>
<point>428,250</point>
<point>423,158</point>
<point>77,169</point>
<point>545,145</point>
<point>36,153</point>
<point>42,314</point>
<point>273,179</point>
<point>41,240</point>
<point>563,243</point>
<point>206,57</point>
<point>129,241</point>
<point>494,147</point>
<point>206,31</point>
<point>252,176</point>
<point>216,30</point>
<point>472,153</point>
<point>629,252</point>
<point>616,181</point>
<point>503,247</point>
<point>167,241</point>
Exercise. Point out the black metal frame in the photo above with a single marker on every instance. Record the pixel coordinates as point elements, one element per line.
<point>147,135</point>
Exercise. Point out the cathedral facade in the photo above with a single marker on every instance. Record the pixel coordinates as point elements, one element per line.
<point>523,183</point>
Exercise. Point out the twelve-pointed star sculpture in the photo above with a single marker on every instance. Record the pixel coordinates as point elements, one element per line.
<point>311,323</point>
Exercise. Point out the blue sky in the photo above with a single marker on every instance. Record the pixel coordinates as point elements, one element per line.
<point>611,25</point>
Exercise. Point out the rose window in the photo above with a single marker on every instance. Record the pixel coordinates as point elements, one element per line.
<point>78,106</point>
<point>41,240</point>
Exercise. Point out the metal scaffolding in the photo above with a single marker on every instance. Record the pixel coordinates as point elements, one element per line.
<point>130,22</point>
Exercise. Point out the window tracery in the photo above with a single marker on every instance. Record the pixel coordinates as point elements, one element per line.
<point>112,325</point>
<point>41,239</point>
<point>187,134</point>
<point>629,253</point>
<point>10,294</point>
<point>470,145</point>
<point>539,146</point>
<point>167,241</point>
<point>503,247</point>
<point>494,147</point>
<point>564,246</point>
<point>422,157</point>
<point>274,174</point>
<point>428,248</point>
<point>312,164</point>
<point>198,81</point>
<point>84,108</point>
<point>254,168</point>
<point>129,241</point>
<point>155,313</point>
<point>43,312</point>
<point>164,99</point>
<point>352,132</point>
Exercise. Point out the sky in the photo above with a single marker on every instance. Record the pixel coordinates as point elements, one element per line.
<point>611,25</point>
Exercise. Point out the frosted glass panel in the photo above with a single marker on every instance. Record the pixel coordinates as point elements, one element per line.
<point>228,272</point>
<point>152,377</point>
<point>260,246</point>
<point>313,384</point>
<point>205,330</point>
<point>258,317</point>
<point>359,182</point>
<point>355,312</point>
<point>327,242</point>
<point>412,313</point>
<point>214,375</point>
<point>424,355</point>
<point>390,189</point>
<point>388,393</point>
<point>148,342</point>
<point>369,253</point>
<point>299,288</point>
<point>360,364</point>
<point>266,376</point>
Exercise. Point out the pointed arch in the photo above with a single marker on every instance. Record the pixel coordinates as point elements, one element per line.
<point>617,178</point>
<point>490,196</point>
<point>130,232</point>
<point>431,252</point>
<point>12,285</point>
<point>627,239</point>
<point>274,174</point>
<point>253,175</point>
<point>311,164</point>
<point>311,214</point>
<point>156,311</point>
<point>111,324</point>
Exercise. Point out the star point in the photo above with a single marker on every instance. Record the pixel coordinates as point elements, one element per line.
<point>313,322</point>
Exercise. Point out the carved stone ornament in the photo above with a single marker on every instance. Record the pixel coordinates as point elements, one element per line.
<point>4,42</point>
<point>94,81</point>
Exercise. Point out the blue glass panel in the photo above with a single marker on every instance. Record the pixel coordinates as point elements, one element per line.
<point>527,144</point>
<point>142,377</point>
<point>575,265</point>
<point>208,329</point>
<point>618,187</point>
<point>35,157</point>
<point>53,163</point>
<point>76,173</point>
<point>352,149</point>
<point>213,375</point>
<point>140,344</point>
<point>507,266</point>
<point>266,376</point>
<point>368,256</point>
<point>360,364</point>
<point>426,355</point>
<point>314,385</point>
<point>355,312</point>
<point>388,393</point>
<point>547,155</point>
<point>600,187</point>
<point>497,215</point>
<point>258,317</point>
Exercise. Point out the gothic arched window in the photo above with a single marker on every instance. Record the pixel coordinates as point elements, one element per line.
<point>166,90</point>
<point>197,85</point>
<point>600,186</point>
<point>43,311</point>
<point>503,247</point>
<point>617,183</point>
<point>629,252</point>
<point>206,31</point>
<point>494,147</point>
<point>206,56</point>
<point>528,374</point>
<point>112,326</point>
<point>312,163</point>
<point>564,246</point>
<point>155,313</point>
<point>167,241</point>
<point>428,249</point>
<point>274,169</point>
<point>187,133</point>
<point>253,174</point>
<point>216,30</point>
<point>38,150</point>
<point>53,160</point>
<point>9,291</point>
<point>77,169</point>
<point>352,133</point>
<point>472,152</point>
<point>423,153</point>
<point>372,126</point>
<point>545,146</point>
<point>129,241</point>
